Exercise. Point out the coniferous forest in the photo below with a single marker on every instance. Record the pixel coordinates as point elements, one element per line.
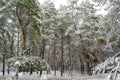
<point>76,41</point>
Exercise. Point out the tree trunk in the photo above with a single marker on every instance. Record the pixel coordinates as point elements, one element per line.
<point>89,68</point>
<point>48,58</point>
<point>81,66</point>
<point>3,64</point>
<point>54,57</point>
<point>70,61</point>
<point>8,69</point>
<point>31,70</point>
<point>24,30</point>
<point>61,59</point>
<point>12,44</point>
<point>18,42</point>
<point>43,52</point>
<point>43,49</point>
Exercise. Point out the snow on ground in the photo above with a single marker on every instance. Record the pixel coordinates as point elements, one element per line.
<point>45,76</point>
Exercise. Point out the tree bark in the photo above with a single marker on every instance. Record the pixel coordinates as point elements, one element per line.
<point>12,44</point>
<point>43,52</point>
<point>18,42</point>
<point>24,30</point>
<point>82,69</point>
<point>69,58</point>
<point>61,59</point>
<point>54,57</point>
<point>43,49</point>
<point>24,38</point>
<point>48,58</point>
<point>31,69</point>
<point>3,64</point>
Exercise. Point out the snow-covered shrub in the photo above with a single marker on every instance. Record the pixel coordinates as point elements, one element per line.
<point>25,62</point>
<point>111,65</point>
<point>106,66</point>
<point>115,70</point>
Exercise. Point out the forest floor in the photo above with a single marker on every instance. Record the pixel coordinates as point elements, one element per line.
<point>54,78</point>
<point>51,76</point>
